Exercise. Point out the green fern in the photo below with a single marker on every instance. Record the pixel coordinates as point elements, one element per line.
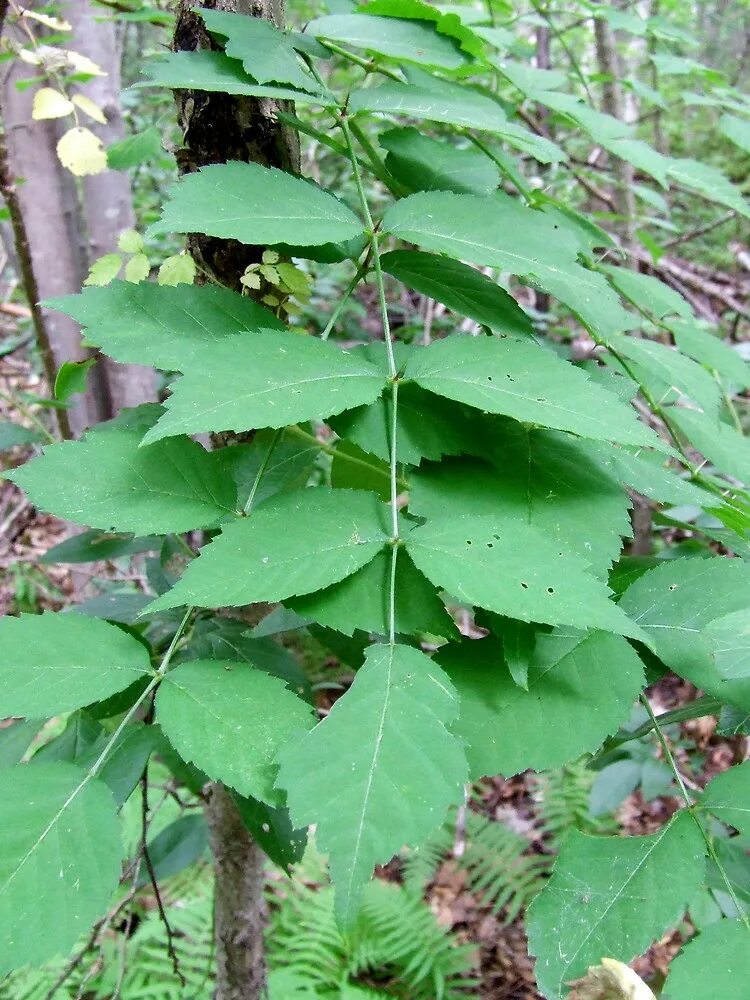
<point>499,868</point>
<point>562,797</point>
<point>396,948</point>
<point>35,984</point>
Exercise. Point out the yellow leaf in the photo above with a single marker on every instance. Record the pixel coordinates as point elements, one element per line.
<point>270,257</point>
<point>137,268</point>
<point>176,270</point>
<point>130,241</point>
<point>89,108</point>
<point>81,152</point>
<point>50,103</point>
<point>610,981</point>
<point>82,64</point>
<point>55,23</point>
<point>104,269</point>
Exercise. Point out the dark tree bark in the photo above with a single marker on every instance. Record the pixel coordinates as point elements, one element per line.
<point>217,128</point>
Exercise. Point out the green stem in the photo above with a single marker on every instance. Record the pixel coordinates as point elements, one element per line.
<point>360,273</point>
<point>695,710</point>
<point>259,475</point>
<point>690,805</point>
<point>367,64</point>
<point>729,403</point>
<point>377,164</point>
<point>329,449</point>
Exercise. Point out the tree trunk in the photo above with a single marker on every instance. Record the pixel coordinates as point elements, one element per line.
<point>609,65</point>
<point>55,250</point>
<point>107,207</point>
<point>217,128</point>
<point>239,919</point>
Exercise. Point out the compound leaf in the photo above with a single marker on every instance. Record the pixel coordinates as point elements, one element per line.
<point>380,770</point>
<point>461,288</point>
<point>514,570</point>
<point>294,543</point>
<point>715,963</point>
<point>255,205</point>
<point>612,896</point>
<point>520,379</point>
<point>501,232</point>
<point>422,163</point>
<point>581,687</point>
<point>230,720</point>
<point>60,860</point>
<point>106,481</point>
<point>54,663</point>
<point>267,379</point>
<point>171,328</point>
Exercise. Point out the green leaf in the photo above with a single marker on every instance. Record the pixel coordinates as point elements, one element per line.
<point>523,380</point>
<point>581,687</point>
<point>84,740</point>
<point>612,896</point>
<point>673,604</point>
<point>729,639</point>
<point>395,38</point>
<point>354,469</point>
<point>107,481</point>
<point>650,358</point>
<point>463,289</point>
<point>294,543</point>
<point>273,830</point>
<point>55,663</point>
<point>174,848</point>
<point>230,720</point>
<point>711,351</point>
<point>448,22</point>
<point>519,640</point>
<point>727,796</point>
<point>217,73</point>
<point>649,293</point>
<point>715,963</point>
<point>500,232</point>
<point>267,379</point>
<point>266,52</point>
<point>644,472</point>
<point>60,859</point>
<point>428,426</point>
<point>255,204</point>
<point>289,467</point>
<point>613,785</point>
<point>380,770</point>
<point>361,601</point>
<point>544,479</point>
<point>223,639</point>
<point>14,435</point>
<point>736,129</point>
<point>709,182</point>
<point>530,80</point>
<point>519,573</point>
<point>71,378</point>
<point>137,268</point>
<point>171,328</point>
<point>143,147</point>
<point>422,163</point>
<point>460,106</point>
<point>721,444</point>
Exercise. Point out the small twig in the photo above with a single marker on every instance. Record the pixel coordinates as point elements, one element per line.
<point>154,884</point>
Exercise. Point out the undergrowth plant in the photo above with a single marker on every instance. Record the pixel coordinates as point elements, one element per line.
<point>484,469</point>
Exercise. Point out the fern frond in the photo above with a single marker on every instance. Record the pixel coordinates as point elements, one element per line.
<point>563,800</point>
<point>418,866</point>
<point>499,868</point>
<point>35,984</point>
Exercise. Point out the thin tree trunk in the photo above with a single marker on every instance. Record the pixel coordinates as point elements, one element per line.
<point>217,128</point>
<point>239,904</point>
<point>609,65</point>
<point>107,206</point>
<point>44,201</point>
